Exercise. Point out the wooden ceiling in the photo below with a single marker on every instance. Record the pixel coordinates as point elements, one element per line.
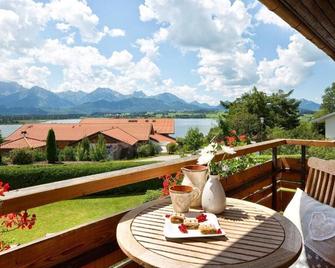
<point>315,19</point>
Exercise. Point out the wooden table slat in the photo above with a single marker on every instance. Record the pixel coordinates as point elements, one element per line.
<point>255,236</point>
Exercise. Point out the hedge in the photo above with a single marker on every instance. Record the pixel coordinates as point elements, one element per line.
<point>30,175</point>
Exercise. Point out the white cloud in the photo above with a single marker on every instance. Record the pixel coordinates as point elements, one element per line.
<point>266,16</point>
<point>292,65</point>
<point>64,27</point>
<point>210,24</point>
<point>21,71</point>
<point>116,32</point>
<point>85,68</point>
<point>229,74</point>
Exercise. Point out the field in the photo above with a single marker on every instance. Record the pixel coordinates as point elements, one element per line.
<point>62,215</point>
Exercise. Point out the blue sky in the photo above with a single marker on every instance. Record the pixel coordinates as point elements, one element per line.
<point>206,50</point>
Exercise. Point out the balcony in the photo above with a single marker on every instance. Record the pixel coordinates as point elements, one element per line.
<point>271,184</point>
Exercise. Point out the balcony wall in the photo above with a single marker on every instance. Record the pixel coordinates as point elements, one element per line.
<point>94,244</point>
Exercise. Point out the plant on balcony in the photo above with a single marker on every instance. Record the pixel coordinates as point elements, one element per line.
<point>169,181</point>
<point>12,221</point>
<point>208,153</point>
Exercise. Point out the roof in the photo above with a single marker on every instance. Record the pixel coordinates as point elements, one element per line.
<point>120,135</point>
<point>23,142</point>
<point>161,138</point>
<point>323,118</point>
<point>160,125</point>
<point>76,132</point>
<point>313,19</point>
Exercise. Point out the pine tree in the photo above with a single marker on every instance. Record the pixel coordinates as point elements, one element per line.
<point>51,147</point>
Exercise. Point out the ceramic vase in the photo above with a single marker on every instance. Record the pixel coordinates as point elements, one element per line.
<point>195,176</point>
<point>213,195</point>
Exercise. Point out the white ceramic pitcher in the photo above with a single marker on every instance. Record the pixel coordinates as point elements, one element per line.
<point>195,176</point>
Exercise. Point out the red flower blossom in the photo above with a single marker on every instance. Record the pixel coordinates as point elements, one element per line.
<point>243,138</point>
<point>4,188</point>
<point>230,140</point>
<point>232,132</point>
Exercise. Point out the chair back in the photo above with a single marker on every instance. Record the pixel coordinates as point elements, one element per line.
<point>321,180</point>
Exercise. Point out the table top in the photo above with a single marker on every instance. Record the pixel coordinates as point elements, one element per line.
<point>256,236</point>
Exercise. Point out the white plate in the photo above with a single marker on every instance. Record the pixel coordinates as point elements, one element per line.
<point>171,229</point>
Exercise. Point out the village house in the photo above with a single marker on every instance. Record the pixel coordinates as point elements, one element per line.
<point>122,136</point>
<point>329,121</point>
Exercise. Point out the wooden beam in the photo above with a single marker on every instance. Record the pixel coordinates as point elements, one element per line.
<point>303,166</point>
<point>274,178</point>
<point>62,190</point>
<point>317,143</point>
<point>297,23</point>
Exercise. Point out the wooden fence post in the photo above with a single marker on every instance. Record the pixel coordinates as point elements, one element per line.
<point>303,166</point>
<point>274,178</point>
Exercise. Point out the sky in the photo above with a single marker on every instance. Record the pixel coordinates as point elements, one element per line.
<point>199,50</point>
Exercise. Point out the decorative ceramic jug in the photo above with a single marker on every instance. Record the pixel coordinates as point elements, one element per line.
<point>195,176</point>
<point>213,195</point>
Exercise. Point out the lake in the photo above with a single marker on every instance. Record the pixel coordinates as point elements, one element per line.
<point>181,125</point>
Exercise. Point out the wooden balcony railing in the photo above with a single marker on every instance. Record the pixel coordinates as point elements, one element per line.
<point>94,244</point>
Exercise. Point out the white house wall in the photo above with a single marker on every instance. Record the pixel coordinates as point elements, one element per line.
<point>330,127</point>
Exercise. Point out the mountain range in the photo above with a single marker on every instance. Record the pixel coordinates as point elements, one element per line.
<point>18,100</point>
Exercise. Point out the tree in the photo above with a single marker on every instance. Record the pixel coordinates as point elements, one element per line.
<point>99,151</point>
<point>193,139</point>
<point>83,150</point>
<point>51,147</point>
<point>277,109</point>
<point>284,111</point>
<point>328,99</point>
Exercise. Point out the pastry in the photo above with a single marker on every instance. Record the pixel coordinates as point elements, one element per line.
<point>207,228</point>
<point>177,218</point>
<point>191,223</point>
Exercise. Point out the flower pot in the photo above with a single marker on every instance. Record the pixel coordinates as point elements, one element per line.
<point>195,176</point>
<point>213,195</point>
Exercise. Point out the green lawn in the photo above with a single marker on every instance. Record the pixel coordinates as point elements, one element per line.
<point>62,215</point>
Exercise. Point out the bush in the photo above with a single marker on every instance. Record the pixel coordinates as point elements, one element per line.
<point>51,149</point>
<point>21,157</point>
<point>39,155</point>
<point>193,139</point>
<point>151,195</point>
<point>148,149</point>
<point>83,150</point>
<point>171,147</point>
<point>25,176</point>
<point>67,154</point>
<point>99,150</point>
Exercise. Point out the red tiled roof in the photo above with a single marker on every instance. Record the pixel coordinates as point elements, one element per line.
<point>161,138</point>
<point>120,135</point>
<point>160,125</point>
<point>23,142</point>
<point>76,132</point>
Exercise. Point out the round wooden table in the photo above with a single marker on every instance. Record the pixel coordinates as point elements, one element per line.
<point>256,236</point>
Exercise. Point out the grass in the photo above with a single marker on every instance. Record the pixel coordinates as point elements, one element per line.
<point>63,215</point>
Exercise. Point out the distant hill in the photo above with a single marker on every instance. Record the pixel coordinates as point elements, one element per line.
<point>17,100</point>
<point>308,106</point>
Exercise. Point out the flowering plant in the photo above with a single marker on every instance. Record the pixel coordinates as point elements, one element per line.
<point>169,181</point>
<point>12,221</point>
<point>207,155</point>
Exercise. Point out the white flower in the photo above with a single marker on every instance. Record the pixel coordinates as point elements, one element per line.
<point>207,154</point>
<point>204,159</point>
<point>228,150</point>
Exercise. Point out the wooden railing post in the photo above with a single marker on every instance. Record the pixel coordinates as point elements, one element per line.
<point>303,166</point>
<point>274,178</point>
